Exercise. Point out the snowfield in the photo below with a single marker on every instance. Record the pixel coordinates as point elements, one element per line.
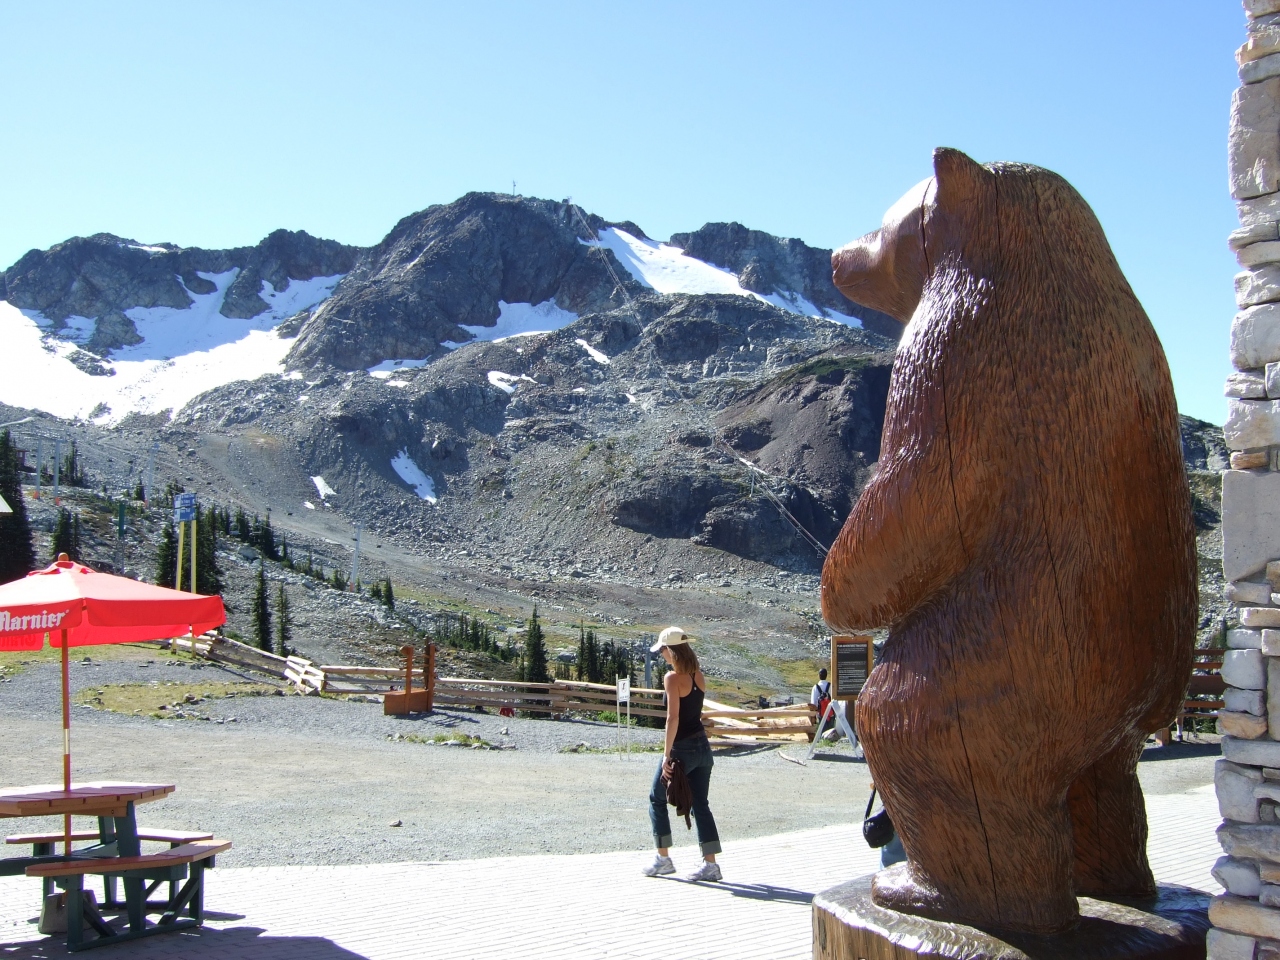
<point>519,320</point>
<point>183,353</point>
<point>667,269</point>
<point>412,474</point>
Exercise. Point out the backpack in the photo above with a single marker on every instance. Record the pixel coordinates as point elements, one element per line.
<point>824,696</point>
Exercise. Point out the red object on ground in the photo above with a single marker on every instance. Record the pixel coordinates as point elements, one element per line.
<point>87,607</point>
<point>78,607</point>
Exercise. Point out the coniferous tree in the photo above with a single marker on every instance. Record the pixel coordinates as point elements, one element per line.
<point>72,473</point>
<point>535,652</point>
<point>243,530</point>
<point>208,573</point>
<point>284,624</point>
<point>166,556</point>
<point>262,611</point>
<point>66,535</point>
<point>264,538</point>
<point>17,555</point>
<point>375,592</point>
<point>580,667</point>
<point>139,491</point>
<point>388,595</point>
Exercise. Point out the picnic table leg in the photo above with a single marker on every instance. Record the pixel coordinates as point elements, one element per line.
<point>75,911</point>
<point>44,850</point>
<point>128,845</point>
<point>107,835</point>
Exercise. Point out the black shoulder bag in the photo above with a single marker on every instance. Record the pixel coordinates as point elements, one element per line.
<point>877,830</point>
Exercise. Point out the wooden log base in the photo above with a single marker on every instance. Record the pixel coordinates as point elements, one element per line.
<point>401,704</point>
<point>847,925</point>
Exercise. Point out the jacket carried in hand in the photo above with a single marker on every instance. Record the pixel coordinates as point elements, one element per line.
<point>679,794</point>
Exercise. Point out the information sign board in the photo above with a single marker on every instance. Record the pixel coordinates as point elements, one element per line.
<point>851,662</point>
<point>184,507</point>
<point>624,689</point>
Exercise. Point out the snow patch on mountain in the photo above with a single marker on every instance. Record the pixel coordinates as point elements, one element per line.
<point>408,471</point>
<point>668,269</point>
<point>519,320</point>
<point>506,382</point>
<point>183,353</point>
<point>323,488</point>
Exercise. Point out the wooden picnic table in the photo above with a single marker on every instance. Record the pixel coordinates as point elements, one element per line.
<point>116,854</point>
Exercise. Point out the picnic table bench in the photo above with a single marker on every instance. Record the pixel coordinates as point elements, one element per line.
<point>115,855</point>
<point>187,861</point>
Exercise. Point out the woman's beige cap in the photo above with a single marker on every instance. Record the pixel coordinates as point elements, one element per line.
<point>669,638</point>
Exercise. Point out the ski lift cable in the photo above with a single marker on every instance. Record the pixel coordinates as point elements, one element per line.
<point>786,514</point>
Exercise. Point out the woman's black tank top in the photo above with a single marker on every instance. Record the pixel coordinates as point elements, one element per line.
<point>691,713</point>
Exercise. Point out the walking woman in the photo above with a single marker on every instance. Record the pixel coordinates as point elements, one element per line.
<point>685,688</point>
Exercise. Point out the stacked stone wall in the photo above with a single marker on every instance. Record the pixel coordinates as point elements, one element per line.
<point>1246,920</point>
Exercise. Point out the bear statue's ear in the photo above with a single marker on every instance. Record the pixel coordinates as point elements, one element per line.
<point>956,174</point>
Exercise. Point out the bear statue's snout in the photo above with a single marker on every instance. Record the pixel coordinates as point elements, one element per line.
<point>852,265</point>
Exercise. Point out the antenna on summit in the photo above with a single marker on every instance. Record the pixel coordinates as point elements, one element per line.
<point>513,188</point>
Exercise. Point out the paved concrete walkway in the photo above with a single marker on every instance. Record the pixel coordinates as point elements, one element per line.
<point>586,906</point>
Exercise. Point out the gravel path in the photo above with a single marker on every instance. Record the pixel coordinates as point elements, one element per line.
<point>306,780</point>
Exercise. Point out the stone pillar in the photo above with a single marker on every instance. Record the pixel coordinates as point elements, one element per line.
<point>1246,920</point>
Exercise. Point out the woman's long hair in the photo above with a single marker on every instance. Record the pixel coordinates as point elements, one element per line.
<point>685,660</point>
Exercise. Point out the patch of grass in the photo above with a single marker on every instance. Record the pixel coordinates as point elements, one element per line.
<point>825,369</point>
<point>13,663</point>
<point>635,748</point>
<point>163,699</point>
<point>463,739</point>
<point>797,674</point>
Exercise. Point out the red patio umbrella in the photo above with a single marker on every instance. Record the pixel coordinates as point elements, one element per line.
<point>74,606</point>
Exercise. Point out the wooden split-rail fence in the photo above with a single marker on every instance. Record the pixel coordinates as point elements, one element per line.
<point>557,698</point>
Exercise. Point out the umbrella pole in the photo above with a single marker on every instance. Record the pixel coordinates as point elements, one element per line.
<point>66,744</point>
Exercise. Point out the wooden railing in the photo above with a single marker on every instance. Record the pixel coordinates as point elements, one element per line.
<point>555,698</point>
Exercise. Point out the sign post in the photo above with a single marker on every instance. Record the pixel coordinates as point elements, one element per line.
<point>851,661</point>
<point>184,511</point>
<point>624,696</point>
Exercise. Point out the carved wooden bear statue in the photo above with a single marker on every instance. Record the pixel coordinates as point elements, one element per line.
<point>1027,539</point>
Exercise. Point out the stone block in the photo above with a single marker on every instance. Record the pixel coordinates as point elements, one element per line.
<point>1264,40</point>
<point>1260,616</point>
<point>1234,786</point>
<point>1256,254</point>
<point>1245,701</point>
<point>1258,285</point>
<point>1263,231</point>
<point>1238,877</point>
<point>1220,945</point>
<point>1269,872</point>
<point>1243,725</point>
<point>1269,895</point>
<point>1266,790</point>
<point>1250,525</point>
<point>1245,591</point>
<point>1268,950</point>
<point>1251,423</point>
<point>1258,459</point>
<point>1270,643</point>
<point>1258,210</point>
<point>1251,753</point>
<point>1256,71</point>
<point>1273,574</point>
<point>1242,638</point>
<point>1260,8</point>
<point>1253,143</point>
<point>1245,669</point>
<point>1246,385</point>
<point>1273,697</point>
<point>1255,337</point>
<point>1237,915</point>
<point>1271,379</point>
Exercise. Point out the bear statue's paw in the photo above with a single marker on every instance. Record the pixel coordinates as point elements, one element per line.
<point>902,888</point>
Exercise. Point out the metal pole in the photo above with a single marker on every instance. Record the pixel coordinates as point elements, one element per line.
<point>57,468</point>
<point>39,464</point>
<point>195,549</point>
<point>355,558</point>
<point>66,743</point>
<point>151,472</point>
<point>177,578</point>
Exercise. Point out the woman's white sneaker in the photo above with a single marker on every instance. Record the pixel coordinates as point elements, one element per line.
<point>661,867</point>
<point>707,873</point>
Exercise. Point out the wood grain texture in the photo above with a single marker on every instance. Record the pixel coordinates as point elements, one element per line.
<point>1027,539</point>
<point>1170,925</point>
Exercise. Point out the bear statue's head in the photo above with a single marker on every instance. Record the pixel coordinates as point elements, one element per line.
<point>887,269</point>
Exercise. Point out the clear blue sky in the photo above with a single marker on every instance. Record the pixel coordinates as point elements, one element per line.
<point>213,124</point>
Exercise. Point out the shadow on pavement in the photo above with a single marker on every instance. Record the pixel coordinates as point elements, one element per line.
<point>194,944</point>
<point>1181,751</point>
<point>761,891</point>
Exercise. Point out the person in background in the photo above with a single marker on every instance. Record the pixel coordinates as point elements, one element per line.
<point>820,696</point>
<point>686,742</point>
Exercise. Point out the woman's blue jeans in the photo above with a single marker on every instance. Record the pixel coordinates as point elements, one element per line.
<point>695,754</point>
